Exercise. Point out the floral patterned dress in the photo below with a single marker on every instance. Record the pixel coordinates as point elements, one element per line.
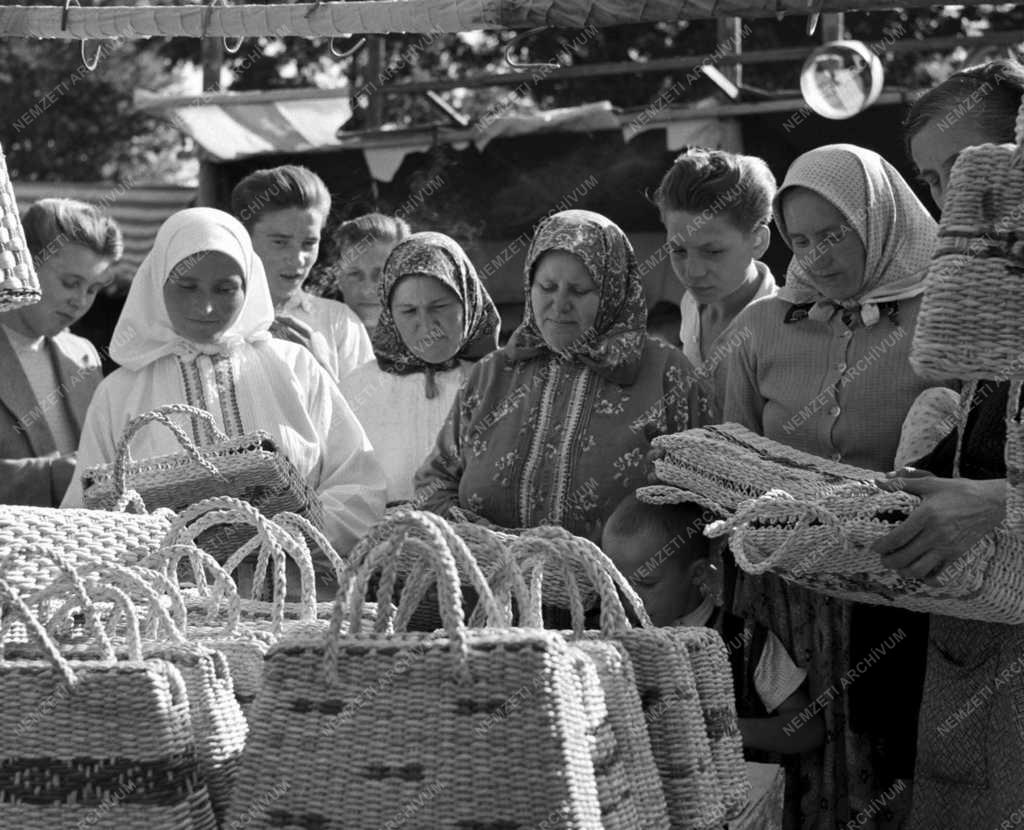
<point>539,436</point>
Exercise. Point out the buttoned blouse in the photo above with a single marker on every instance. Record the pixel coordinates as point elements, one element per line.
<point>834,388</point>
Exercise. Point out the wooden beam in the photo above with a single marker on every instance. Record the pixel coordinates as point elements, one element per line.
<point>333,19</point>
<point>730,41</point>
<point>596,70</point>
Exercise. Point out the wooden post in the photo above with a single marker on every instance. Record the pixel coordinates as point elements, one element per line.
<point>730,34</point>
<point>213,59</point>
<point>374,73</point>
<point>832,27</point>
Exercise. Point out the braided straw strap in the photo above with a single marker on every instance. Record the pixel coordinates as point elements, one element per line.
<point>19,284</point>
<point>969,323</point>
<point>825,545</point>
<point>67,754</point>
<point>484,727</point>
<point>678,730</point>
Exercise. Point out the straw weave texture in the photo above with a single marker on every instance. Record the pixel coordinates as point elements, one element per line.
<point>19,285</point>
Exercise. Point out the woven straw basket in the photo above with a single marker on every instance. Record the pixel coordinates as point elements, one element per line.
<point>249,467</point>
<point>19,285</point>
<point>123,538</point>
<point>970,320</point>
<point>104,742</point>
<point>694,788</point>
<point>118,594</point>
<point>473,728</point>
<point>824,544</point>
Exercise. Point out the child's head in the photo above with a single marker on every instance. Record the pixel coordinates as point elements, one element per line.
<point>72,246</point>
<point>662,551</point>
<point>361,246</point>
<point>284,209</point>
<point>716,208</point>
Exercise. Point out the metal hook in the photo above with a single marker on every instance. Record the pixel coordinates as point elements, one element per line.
<point>228,47</point>
<point>516,42</point>
<point>90,65</point>
<point>348,53</point>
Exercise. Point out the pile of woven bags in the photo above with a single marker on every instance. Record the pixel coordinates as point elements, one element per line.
<point>142,691</point>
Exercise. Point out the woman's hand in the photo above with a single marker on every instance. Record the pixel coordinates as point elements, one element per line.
<point>295,331</point>
<point>954,515</point>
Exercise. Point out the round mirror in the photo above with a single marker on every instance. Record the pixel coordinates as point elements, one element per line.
<point>841,79</point>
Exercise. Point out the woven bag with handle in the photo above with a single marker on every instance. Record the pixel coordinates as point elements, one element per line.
<point>465,728</point>
<point>106,741</point>
<point>118,593</point>
<point>686,693</point>
<point>19,285</point>
<point>825,544</point>
<point>249,467</point>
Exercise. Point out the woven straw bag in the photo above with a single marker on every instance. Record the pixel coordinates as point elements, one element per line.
<point>122,538</point>
<point>697,782</point>
<point>969,324</point>
<point>249,467</point>
<point>104,742</point>
<point>19,285</point>
<point>720,467</point>
<point>468,728</point>
<point>244,629</point>
<point>119,593</point>
<point>824,544</point>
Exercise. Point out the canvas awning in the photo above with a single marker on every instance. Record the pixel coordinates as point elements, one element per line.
<point>230,126</point>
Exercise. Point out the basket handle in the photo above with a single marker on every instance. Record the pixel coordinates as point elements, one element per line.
<point>10,600</point>
<point>271,542</point>
<point>298,525</point>
<point>581,562</point>
<point>70,586</point>
<point>166,561</point>
<point>434,553</point>
<point>773,504</point>
<point>162,415</point>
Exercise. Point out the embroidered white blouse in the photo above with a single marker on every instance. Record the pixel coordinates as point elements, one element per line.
<point>400,420</point>
<point>271,385</point>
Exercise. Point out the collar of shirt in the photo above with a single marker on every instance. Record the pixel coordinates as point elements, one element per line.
<point>300,300</point>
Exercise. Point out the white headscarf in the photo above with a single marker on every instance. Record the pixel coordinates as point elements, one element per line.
<point>144,332</point>
<point>896,230</point>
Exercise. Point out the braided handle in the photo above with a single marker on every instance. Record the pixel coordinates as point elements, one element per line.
<point>577,557</point>
<point>11,600</point>
<point>1018,136</point>
<point>166,561</point>
<point>162,415</point>
<point>775,504</point>
<point>420,532</point>
<point>298,525</point>
<point>68,587</point>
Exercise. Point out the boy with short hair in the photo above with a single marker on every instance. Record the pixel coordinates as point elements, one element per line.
<point>663,552</point>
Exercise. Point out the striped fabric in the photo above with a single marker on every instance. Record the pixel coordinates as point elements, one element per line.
<point>138,210</point>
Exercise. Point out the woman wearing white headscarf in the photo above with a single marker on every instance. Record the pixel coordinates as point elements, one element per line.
<point>823,367</point>
<point>195,330</point>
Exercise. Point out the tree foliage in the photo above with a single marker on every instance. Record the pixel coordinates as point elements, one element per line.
<point>65,123</point>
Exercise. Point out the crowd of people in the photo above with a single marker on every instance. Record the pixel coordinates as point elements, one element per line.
<point>402,394</point>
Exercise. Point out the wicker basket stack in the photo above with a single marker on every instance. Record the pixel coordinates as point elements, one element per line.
<point>19,285</point>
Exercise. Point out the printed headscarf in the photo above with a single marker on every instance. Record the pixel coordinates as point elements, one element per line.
<point>615,345</point>
<point>441,257</point>
<point>896,230</point>
<point>144,333</point>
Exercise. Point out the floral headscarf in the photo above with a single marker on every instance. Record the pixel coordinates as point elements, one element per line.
<point>441,257</point>
<point>896,230</point>
<point>614,346</point>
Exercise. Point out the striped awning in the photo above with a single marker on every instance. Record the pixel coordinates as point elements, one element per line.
<point>234,125</point>
<point>139,210</point>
